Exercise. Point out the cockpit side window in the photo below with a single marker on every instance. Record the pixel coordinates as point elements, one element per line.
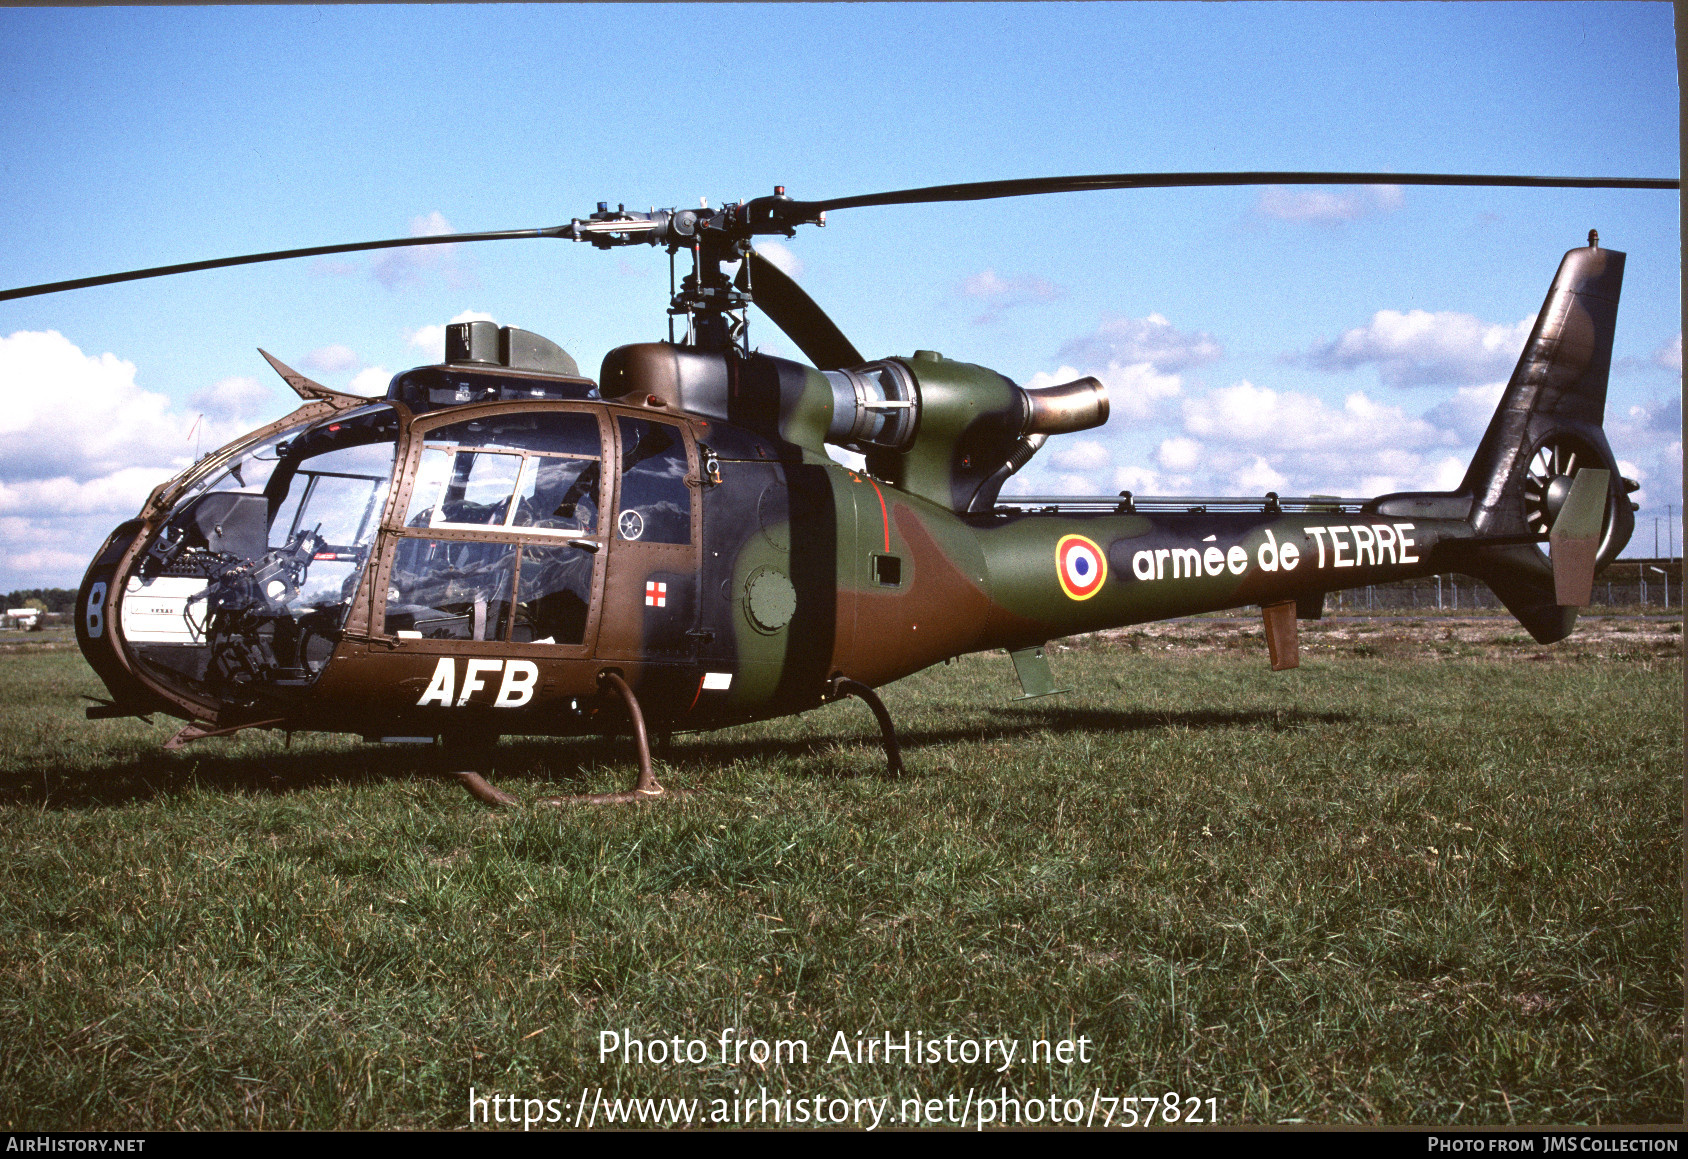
<point>529,471</point>
<point>523,483</point>
<point>340,492</point>
<point>450,589</point>
<point>656,504</point>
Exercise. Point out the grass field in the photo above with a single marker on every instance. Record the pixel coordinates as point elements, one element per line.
<point>1433,876</point>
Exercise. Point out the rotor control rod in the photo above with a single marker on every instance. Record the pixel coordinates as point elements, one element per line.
<point>729,227</point>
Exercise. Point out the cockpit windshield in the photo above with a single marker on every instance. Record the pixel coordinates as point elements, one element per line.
<point>247,584</point>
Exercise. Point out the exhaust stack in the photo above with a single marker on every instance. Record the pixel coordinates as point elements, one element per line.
<point>1079,405</point>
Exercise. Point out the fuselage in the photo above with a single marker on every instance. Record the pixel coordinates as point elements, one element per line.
<point>475,571</point>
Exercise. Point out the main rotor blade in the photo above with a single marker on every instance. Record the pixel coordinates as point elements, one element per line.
<point>795,313</point>
<point>1029,186</point>
<point>279,255</point>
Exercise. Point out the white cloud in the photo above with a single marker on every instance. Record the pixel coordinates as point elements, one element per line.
<point>1081,455</point>
<point>1004,294</point>
<point>1387,197</point>
<point>1140,480</point>
<point>1649,436</point>
<point>237,399</point>
<point>118,494</point>
<point>82,444</point>
<point>984,285</point>
<point>781,258</point>
<point>430,225</point>
<point>1264,440</point>
<point>1246,415</point>
<point>84,416</point>
<point>431,339</point>
<point>1447,474</point>
<point>411,266</point>
<point>1179,454</point>
<point>330,359</point>
<point>1318,205</point>
<point>1258,478</point>
<point>1419,348</point>
<point>1074,483</point>
<point>1669,355</point>
<point>1657,417</point>
<point>1152,340</point>
<point>37,555</point>
<point>371,381</point>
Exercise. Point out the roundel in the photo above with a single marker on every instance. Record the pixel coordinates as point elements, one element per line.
<point>1080,566</point>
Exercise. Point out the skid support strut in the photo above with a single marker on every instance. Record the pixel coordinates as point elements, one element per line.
<point>480,790</point>
<point>644,789</point>
<point>844,686</point>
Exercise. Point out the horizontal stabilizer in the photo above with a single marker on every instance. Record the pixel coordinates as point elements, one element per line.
<point>1575,538</point>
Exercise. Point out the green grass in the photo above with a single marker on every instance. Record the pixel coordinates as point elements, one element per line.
<point>1376,889</point>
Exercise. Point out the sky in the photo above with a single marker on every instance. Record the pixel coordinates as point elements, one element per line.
<point>1340,340</point>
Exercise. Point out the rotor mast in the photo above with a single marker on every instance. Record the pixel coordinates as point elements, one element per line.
<point>712,302</point>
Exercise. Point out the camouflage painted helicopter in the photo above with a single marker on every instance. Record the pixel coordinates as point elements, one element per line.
<point>502,546</point>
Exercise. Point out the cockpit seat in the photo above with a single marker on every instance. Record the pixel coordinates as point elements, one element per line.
<point>231,522</point>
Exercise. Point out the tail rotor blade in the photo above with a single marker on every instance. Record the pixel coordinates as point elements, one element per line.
<point>795,313</point>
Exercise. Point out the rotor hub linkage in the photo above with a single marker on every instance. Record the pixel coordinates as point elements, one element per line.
<point>714,237</point>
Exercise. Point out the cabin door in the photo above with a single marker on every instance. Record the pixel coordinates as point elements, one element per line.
<point>651,589</point>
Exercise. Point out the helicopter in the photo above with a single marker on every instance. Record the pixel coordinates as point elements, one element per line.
<point>504,546</point>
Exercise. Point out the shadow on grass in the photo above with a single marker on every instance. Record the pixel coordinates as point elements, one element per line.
<point>159,774</point>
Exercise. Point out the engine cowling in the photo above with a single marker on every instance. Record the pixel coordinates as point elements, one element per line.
<point>972,428</point>
<point>950,432</point>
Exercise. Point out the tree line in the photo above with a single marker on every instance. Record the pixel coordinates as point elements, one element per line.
<point>43,599</point>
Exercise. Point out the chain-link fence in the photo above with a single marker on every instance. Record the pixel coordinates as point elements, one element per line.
<point>1650,585</point>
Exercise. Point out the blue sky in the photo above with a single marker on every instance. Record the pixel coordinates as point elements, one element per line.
<point>1343,339</point>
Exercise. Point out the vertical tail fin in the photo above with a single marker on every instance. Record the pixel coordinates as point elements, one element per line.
<point>1547,429</point>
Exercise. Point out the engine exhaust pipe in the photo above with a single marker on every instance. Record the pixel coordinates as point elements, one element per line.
<point>1079,405</point>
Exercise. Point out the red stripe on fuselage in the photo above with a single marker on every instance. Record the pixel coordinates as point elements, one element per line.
<point>883,517</point>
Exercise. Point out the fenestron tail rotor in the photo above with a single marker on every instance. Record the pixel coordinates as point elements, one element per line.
<point>1549,479</point>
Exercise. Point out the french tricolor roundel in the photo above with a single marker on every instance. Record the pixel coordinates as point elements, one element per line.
<point>1080,566</point>
<point>656,595</point>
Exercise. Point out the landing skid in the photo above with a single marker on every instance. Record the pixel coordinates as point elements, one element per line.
<point>645,788</point>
